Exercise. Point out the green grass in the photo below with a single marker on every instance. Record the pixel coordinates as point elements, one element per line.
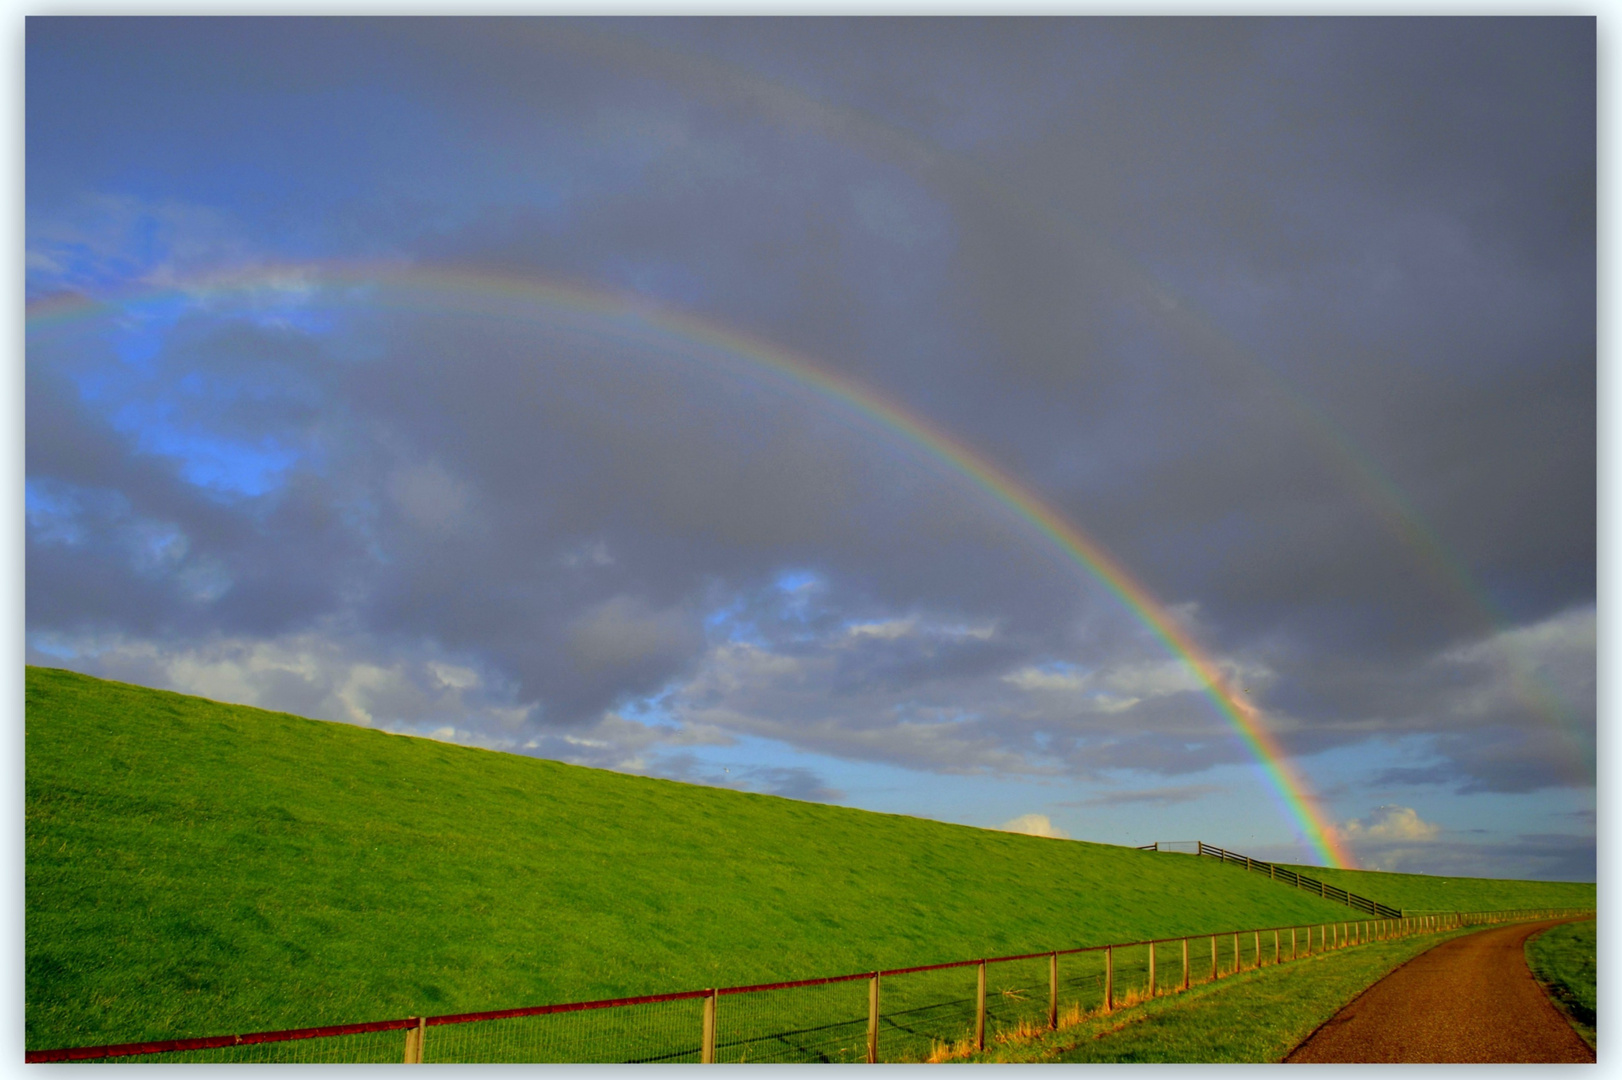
<point>1423,893</point>
<point>1255,1016</point>
<point>196,868</point>
<point>1566,961</point>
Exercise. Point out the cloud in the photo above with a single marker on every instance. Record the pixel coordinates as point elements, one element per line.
<point>313,493</point>
<point>1390,823</point>
<point>431,498</point>
<point>1034,825</point>
<point>325,673</point>
<point>1162,796</point>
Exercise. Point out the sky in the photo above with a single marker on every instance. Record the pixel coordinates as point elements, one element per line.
<point>1119,430</point>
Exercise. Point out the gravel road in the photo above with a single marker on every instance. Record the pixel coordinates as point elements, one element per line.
<point>1467,1000</point>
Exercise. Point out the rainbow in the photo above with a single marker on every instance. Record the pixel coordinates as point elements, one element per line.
<point>786,104</point>
<point>479,292</point>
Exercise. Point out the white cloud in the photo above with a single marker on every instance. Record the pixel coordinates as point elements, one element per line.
<point>888,630</point>
<point>1034,825</point>
<point>1390,824</point>
<point>1527,664</point>
<point>324,674</point>
<point>914,626</point>
<point>454,676</point>
<point>1035,678</point>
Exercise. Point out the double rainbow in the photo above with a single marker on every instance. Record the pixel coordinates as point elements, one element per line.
<point>471,291</point>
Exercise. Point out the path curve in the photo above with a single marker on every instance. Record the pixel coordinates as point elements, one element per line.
<point>1470,999</point>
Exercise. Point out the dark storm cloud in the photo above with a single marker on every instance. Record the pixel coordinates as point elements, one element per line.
<point>1166,796</point>
<point>1115,256</point>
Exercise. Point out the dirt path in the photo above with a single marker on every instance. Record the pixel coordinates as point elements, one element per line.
<point>1469,999</point>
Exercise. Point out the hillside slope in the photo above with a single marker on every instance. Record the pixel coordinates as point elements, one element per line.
<point>1425,893</point>
<point>198,868</point>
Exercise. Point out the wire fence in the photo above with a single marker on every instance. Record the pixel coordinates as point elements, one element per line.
<point>909,1014</point>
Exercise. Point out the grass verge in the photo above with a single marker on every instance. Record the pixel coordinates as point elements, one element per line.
<point>1565,960</point>
<point>1254,1016</point>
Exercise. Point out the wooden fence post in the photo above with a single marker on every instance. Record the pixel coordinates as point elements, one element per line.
<point>706,1052</point>
<point>1236,958</point>
<point>980,1011</point>
<point>1151,969</point>
<point>873,1019</point>
<point>414,1040</point>
<point>1109,979</point>
<point>1258,947</point>
<point>1292,943</point>
<point>1213,958</point>
<point>1275,947</point>
<point>1185,963</point>
<point>1053,991</point>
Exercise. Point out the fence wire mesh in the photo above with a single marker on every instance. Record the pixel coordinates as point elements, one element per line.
<point>923,1011</point>
<point>372,1047</point>
<point>1016,996</point>
<point>661,1031</point>
<point>823,1023</point>
<point>1081,984</point>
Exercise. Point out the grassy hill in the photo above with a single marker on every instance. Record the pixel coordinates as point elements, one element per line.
<point>1424,893</point>
<point>198,868</point>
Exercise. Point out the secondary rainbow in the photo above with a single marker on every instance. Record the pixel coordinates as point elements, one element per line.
<point>477,292</point>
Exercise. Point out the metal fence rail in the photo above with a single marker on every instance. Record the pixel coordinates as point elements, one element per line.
<point>906,1014</point>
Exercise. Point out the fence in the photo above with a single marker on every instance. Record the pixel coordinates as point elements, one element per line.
<point>1279,873</point>
<point>907,1014</point>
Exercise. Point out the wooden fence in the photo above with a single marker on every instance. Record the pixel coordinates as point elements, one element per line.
<point>905,1014</point>
<point>1280,873</point>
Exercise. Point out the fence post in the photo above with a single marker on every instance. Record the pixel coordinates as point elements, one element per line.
<point>1323,891</point>
<point>1236,960</point>
<point>1258,946</point>
<point>1213,958</point>
<point>1292,943</point>
<point>1109,979</point>
<point>873,1019</point>
<point>414,1040</point>
<point>706,1053</point>
<point>980,1011</point>
<point>1151,969</point>
<point>1272,871</point>
<point>1185,963</point>
<point>1275,948</point>
<point>1053,991</point>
